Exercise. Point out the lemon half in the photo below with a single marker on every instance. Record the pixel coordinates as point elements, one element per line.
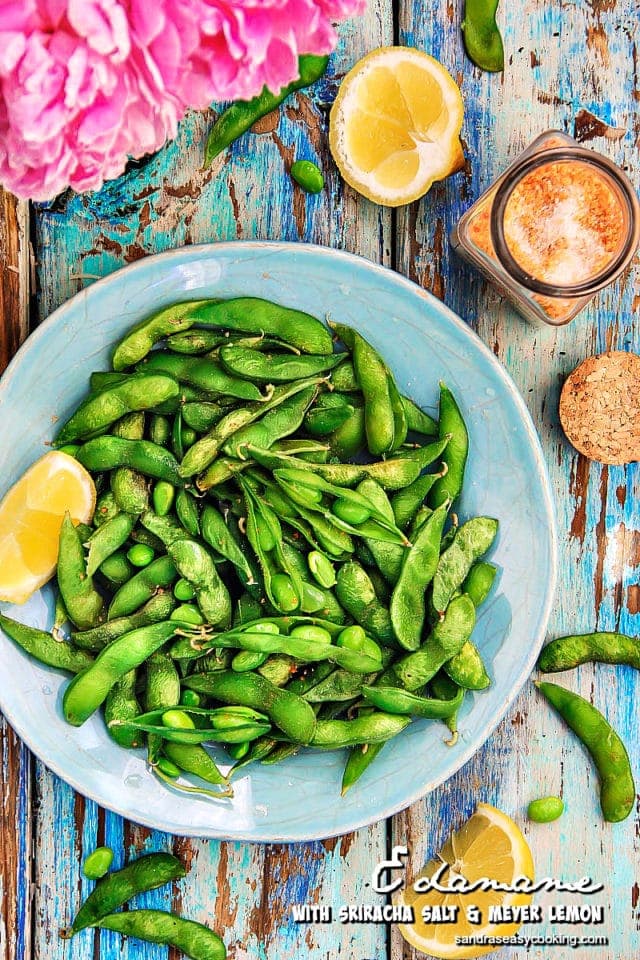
<point>488,845</point>
<point>395,125</point>
<point>31,515</point>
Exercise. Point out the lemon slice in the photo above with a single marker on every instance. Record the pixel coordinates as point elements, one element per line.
<point>395,125</point>
<point>31,515</point>
<point>488,845</point>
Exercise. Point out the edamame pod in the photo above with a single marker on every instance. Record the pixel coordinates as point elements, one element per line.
<point>289,712</point>
<point>88,689</point>
<point>146,873</point>
<point>157,926</point>
<point>44,647</point>
<point>608,752</point>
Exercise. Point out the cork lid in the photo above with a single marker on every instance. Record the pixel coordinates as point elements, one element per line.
<point>600,407</point>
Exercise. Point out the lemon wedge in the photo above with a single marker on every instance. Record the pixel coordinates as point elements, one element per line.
<point>488,845</point>
<point>395,125</point>
<point>31,515</point>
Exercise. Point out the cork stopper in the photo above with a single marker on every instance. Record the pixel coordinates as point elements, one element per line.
<point>600,407</point>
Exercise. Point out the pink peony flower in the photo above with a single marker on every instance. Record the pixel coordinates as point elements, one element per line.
<point>87,84</point>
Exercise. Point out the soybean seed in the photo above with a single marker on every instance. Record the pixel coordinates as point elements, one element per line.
<point>545,809</point>
<point>140,555</point>
<point>308,175</point>
<point>184,590</point>
<point>97,863</point>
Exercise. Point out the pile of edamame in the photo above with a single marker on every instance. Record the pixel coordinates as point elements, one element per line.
<point>275,559</point>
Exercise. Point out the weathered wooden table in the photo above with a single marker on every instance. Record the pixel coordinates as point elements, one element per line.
<point>560,57</point>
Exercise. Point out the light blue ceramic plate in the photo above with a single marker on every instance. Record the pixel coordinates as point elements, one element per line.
<point>506,478</point>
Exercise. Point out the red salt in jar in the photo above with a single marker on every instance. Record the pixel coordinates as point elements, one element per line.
<point>560,224</point>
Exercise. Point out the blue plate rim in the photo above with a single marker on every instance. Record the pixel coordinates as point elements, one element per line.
<point>307,249</point>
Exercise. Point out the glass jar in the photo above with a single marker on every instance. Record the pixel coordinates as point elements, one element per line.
<point>561,223</point>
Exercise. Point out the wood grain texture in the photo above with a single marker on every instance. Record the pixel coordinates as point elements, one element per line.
<point>15,760</point>
<point>561,57</point>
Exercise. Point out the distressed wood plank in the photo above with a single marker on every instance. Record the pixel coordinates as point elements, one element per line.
<point>15,759</point>
<point>244,891</point>
<point>560,58</point>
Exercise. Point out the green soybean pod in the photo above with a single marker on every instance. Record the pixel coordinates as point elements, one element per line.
<point>202,416</point>
<point>467,669</point>
<point>121,704</point>
<point>545,809</point>
<point>471,541</point>
<point>451,424</point>
<point>408,609</point>
<point>108,538</point>
<point>482,38</point>
<point>195,564</point>
<point>372,374</point>
<point>194,759</point>
<point>158,608</point>
<point>138,341</point>
<point>608,752</point>
<point>138,392</point>
<point>376,727</point>
<point>357,595</point>
<point>88,689</point>
<point>188,513</point>
<point>44,647</point>
<point>288,711</point>
<point>142,587</point>
<point>163,496</point>
<point>406,502</point>
<point>395,700</point>
<point>308,175</point>
<point>83,602</point>
<point>446,639</point>
<point>479,581</point>
<point>565,653</point>
<point>254,315</point>
<point>157,926</point>
<point>417,420</point>
<point>130,488</point>
<point>359,760</point>
<point>146,873</point>
<point>159,430</point>
<point>108,453</point>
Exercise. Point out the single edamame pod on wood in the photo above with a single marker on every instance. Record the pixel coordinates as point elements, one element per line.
<point>157,926</point>
<point>565,653</point>
<point>241,115</point>
<point>608,752</point>
<point>146,873</point>
<point>482,38</point>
